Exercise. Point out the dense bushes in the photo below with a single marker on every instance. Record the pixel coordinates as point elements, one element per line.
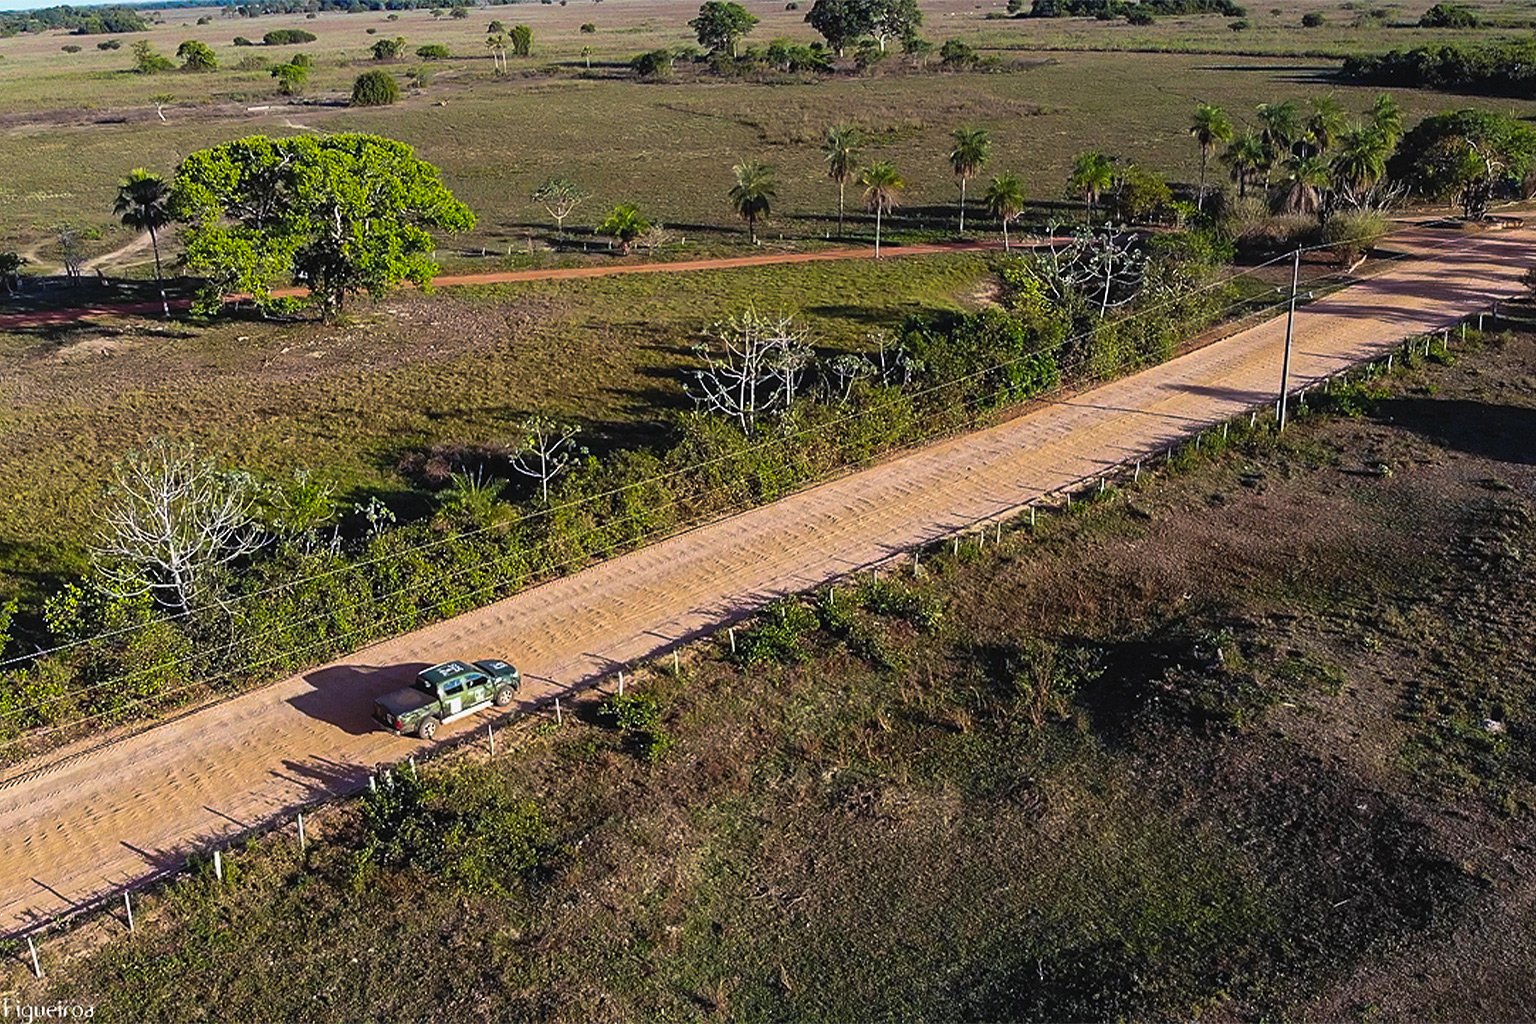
<point>375,89</point>
<point>288,37</point>
<point>1502,69</point>
<point>334,580</point>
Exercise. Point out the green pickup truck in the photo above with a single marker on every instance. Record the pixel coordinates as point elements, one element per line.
<point>445,692</point>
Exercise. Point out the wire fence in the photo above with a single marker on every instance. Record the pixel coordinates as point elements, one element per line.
<point>1022,515</point>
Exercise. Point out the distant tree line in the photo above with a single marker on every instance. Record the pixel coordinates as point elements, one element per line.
<point>1505,68</point>
<point>81,21</point>
<point>1110,9</point>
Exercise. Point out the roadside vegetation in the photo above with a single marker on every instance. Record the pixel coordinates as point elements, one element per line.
<point>1247,750</point>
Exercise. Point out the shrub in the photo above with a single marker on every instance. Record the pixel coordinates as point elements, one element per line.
<point>957,55</point>
<point>1140,17</point>
<point>288,37</point>
<point>459,13</point>
<point>895,599</point>
<point>242,41</point>
<point>147,62</point>
<point>375,89</point>
<point>778,634</point>
<point>637,717</point>
<point>521,38</point>
<point>656,64</point>
<point>252,62</point>
<point>1353,234</point>
<point>70,48</point>
<point>110,44</point>
<point>197,56</point>
<point>1313,19</point>
<point>432,51</point>
<point>1240,25</point>
<point>388,49</point>
<point>1444,15</point>
<point>588,28</point>
<point>291,78</point>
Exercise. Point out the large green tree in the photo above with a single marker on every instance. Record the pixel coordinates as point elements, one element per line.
<point>840,22</point>
<point>1246,160</point>
<point>340,214</point>
<point>1469,156</point>
<point>1210,128</point>
<point>753,193</point>
<point>973,147</point>
<point>143,203</point>
<point>721,24</point>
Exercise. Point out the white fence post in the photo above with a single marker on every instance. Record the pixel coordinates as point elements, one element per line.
<point>490,734</point>
<point>218,865</point>
<point>621,682</point>
<point>37,968</point>
<point>128,906</point>
<point>301,832</point>
<point>559,717</point>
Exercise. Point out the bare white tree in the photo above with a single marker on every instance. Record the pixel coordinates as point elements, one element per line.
<point>1102,264</point>
<point>895,363</point>
<point>547,449</point>
<point>759,370</point>
<point>560,196</point>
<point>844,372</point>
<point>656,238</point>
<point>173,516</point>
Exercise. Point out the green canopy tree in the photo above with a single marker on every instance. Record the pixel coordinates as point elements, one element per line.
<point>1326,121</point>
<point>1305,189</point>
<point>721,24</point>
<point>753,193</point>
<point>841,149</point>
<point>1092,175</point>
<point>883,185</point>
<point>144,204</point>
<point>1005,201</point>
<point>1361,161</point>
<point>521,38</point>
<point>340,214</point>
<point>1210,128</point>
<point>1280,129</point>
<point>892,19</point>
<point>1469,156</point>
<point>840,22</point>
<point>973,147</point>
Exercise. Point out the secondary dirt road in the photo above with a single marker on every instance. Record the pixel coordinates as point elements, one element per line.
<point>58,317</point>
<point>82,823</point>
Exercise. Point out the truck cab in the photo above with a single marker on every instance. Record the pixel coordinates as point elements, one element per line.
<point>446,692</point>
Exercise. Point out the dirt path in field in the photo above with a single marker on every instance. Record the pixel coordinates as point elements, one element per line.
<point>58,317</point>
<point>86,819</point>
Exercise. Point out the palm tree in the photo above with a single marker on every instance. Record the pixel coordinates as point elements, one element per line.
<point>625,224</point>
<point>1307,181</point>
<point>1247,158</point>
<point>1387,118</point>
<point>143,203</point>
<point>1281,128</point>
<point>972,148</point>
<point>1325,124</point>
<point>1362,159</point>
<point>841,149</point>
<point>497,44</point>
<point>1005,200</point>
<point>1210,127</point>
<point>753,194</point>
<point>882,190</point>
<point>1093,174</point>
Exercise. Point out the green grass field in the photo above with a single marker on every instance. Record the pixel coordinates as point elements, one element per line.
<point>461,367</point>
<point>1211,746</point>
<point>75,126</point>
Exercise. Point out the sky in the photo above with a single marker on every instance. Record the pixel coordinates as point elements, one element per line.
<point>32,5</point>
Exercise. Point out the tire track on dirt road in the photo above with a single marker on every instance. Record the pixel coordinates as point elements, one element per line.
<point>84,821</point>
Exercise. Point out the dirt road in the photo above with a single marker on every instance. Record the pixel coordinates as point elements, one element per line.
<point>81,823</point>
<point>58,317</point>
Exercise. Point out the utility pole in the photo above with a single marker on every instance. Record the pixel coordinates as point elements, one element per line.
<point>1290,323</point>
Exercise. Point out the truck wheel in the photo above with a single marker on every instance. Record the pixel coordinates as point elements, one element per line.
<point>427,729</point>
<point>504,696</point>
